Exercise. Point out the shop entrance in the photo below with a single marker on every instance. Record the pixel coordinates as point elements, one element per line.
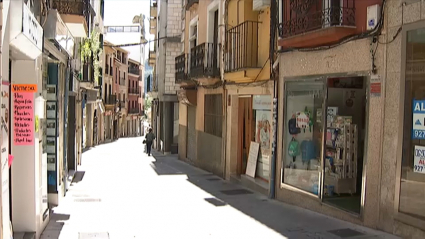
<point>244,132</point>
<point>324,138</point>
<point>344,142</point>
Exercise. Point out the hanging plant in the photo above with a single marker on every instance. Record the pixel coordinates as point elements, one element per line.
<point>91,48</point>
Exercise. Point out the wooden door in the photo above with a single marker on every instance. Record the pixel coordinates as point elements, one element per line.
<point>245,132</point>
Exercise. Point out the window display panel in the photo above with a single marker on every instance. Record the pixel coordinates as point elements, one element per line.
<point>412,185</point>
<point>303,135</point>
<point>261,105</point>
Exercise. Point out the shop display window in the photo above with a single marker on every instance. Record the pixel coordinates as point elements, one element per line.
<point>412,185</point>
<point>303,135</point>
<point>262,115</point>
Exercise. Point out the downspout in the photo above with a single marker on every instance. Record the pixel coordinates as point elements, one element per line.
<point>272,185</point>
<point>225,97</point>
<point>65,127</point>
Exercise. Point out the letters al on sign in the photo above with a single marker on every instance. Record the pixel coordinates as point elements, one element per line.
<point>419,159</point>
<point>418,131</point>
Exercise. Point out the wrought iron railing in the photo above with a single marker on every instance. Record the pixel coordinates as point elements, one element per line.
<point>132,90</point>
<point>180,67</point>
<point>134,110</point>
<point>77,7</point>
<point>133,70</point>
<point>204,60</point>
<point>299,18</point>
<point>241,49</point>
<point>111,100</point>
<point>122,81</point>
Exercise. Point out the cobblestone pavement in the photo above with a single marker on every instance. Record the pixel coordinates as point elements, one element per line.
<point>121,193</point>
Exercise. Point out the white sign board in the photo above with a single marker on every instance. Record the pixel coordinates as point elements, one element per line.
<point>252,159</point>
<point>418,131</point>
<point>419,160</point>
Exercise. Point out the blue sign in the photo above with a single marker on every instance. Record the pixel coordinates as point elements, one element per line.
<point>418,131</point>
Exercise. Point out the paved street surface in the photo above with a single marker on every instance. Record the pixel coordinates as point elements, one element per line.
<point>122,193</point>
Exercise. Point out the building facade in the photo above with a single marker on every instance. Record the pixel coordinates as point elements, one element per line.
<point>165,24</point>
<point>134,112</point>
<point>109,97</point>
<point>121,89</point>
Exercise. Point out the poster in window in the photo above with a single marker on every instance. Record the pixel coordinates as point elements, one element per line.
<point>263,137</point>
<point>51,145</point>
<point>51,127</point>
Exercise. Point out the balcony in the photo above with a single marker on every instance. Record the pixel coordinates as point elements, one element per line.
<point>111,100</point>
<point>241,50</point>
<point>121,105</point>
<point>317,22</point>
<point>204,61</point>
<point>134,111</point>
<point>134,70</point>
<point>190,3</point>
<point>76,15</point>
<point>122,81</point>
<point>133,91</point>
<point>180,66</point>
<point>152,58</point>
<point>153,25</point>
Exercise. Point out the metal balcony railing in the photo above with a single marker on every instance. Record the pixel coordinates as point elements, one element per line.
<point>180,67</point>
<point>241,49</point>
<point>76,7</point>
<point>122,81</point>
<point>299,18</point>
<point>204,60</point>
<point>134,111</point>
<point>111,100</point>
<point>133,70</point>
<point>132,90</point>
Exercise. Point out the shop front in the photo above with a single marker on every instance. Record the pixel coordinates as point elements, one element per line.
<point>249,131</point>
<point>323,143</point>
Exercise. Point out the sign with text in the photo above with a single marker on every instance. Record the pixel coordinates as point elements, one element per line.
<point>418,131</point>
<point>23,114</point>
<point>419,160</point>
<point>252,159</point>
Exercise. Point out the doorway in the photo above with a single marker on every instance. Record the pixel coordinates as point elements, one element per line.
<point>245,132</point>
<point>345,132</point>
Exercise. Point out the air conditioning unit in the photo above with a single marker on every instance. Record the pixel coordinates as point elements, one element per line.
<point>259,5</point>
<point>373,16</point>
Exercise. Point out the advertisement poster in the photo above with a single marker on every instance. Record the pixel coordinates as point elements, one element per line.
<point>263,136</point>
<point>23,114</point>
<point>419,160</point>
<point>418,131</point>
<point>5,128</point>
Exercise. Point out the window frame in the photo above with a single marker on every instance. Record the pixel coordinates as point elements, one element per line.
<point>398,215</point>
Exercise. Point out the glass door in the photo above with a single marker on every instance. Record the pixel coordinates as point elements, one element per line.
<point>303,136</point>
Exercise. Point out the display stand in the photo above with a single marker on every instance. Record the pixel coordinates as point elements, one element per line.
<point>341,157</point>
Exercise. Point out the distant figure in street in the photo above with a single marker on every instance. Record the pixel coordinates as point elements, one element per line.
<point>149,140</point>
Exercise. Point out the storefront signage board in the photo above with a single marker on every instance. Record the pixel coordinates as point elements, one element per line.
<point>418,131</point>
<point>419,160</point>
<point>261,102</point>
<point>23,114</point>
<point>375,86</point>
<point>252,159</point>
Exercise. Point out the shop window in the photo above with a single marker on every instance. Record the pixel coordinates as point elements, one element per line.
<point>262,114</point>
<point>303,132</point>
<point>412,190</point>
<point>213,114</point>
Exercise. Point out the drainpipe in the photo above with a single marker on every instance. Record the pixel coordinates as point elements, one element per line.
<point>273,7</point>
<point>65,127</point>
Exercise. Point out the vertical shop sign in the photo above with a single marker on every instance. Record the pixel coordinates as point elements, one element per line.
<point>23,114</point>
<point>375,85</point>
<point>418,131</point>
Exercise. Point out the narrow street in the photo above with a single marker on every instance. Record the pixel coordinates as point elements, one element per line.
<point>121,193</point>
